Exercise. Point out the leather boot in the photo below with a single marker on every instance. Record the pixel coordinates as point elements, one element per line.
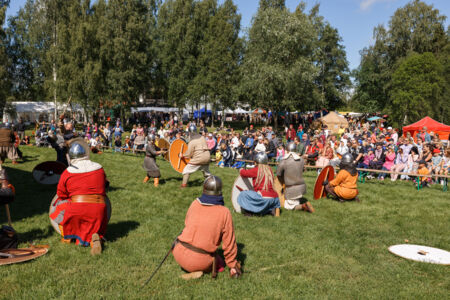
<point>146,179</point>
<point>96,244</point>
<point>156,182</point>
<point>308,207</point>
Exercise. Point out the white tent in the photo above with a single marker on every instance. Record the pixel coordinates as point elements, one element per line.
<point>41,111</point>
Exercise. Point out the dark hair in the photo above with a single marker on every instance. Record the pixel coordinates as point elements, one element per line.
<point>415,150</point>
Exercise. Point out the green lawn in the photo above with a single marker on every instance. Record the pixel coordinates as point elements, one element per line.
<point>339,252</point>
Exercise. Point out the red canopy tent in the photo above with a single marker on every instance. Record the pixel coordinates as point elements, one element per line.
<point>438,128</point>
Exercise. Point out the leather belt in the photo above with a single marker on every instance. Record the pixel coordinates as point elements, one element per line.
<point>88,199</point>
<point>195,249</point>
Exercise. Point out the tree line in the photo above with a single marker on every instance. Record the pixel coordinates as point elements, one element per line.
<point>106,53</point>
<point>405,73</point>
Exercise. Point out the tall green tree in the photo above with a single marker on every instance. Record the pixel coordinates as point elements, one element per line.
<point>4,62</point>
<point>333,79</point>
<point>414,28</point>
<point>125,49</point>
<point>417,88</point>
<point>278,69</point>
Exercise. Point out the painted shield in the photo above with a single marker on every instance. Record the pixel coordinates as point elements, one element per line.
<point>164,145</point>
<point>13,256</point>
<point>326,174</point>
<point>422,253</point>
<point>178,146</point>
<point>53,208</point>
<point>240,184</point>
<point>48,172</point>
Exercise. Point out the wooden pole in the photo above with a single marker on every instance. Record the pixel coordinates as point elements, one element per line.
<point>8,215</point>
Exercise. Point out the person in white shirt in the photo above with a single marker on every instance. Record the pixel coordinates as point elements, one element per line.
<point>260,147</point>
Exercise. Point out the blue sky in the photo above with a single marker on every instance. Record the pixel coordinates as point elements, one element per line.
<point>354,19</point>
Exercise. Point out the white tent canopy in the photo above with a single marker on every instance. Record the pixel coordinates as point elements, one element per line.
<point>32,111</point>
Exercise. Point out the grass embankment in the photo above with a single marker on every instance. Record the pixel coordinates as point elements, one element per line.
<point>338,252</point>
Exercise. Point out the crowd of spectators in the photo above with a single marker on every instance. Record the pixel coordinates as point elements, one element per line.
<point>374,146</point>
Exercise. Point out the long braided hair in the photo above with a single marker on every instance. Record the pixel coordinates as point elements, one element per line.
<point>264,174</point>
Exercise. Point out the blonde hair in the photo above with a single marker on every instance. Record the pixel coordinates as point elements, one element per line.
<point>264,173</point>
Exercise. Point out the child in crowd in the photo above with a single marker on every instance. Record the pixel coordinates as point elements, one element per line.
<point>436,162</point>
<point>280,152</point>
<point>117,144</point>
<point>445,165</point>
<point>423,170</point>
<point>219,158</point>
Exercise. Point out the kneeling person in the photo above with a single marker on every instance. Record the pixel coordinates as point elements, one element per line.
<point>80,209</point>
<point>208,223</point>
<point>343,187</point>
<point>290,172</point>
<point>263,199</point>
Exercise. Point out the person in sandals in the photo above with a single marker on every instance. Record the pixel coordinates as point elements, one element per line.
<point>208,224</point>
<point>81,212</point>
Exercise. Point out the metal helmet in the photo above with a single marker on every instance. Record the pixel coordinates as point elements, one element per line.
<point>261,158</point>
<point>347,158</point>
<point>77,151</point>
<point>212,186</point>
<point>151,137</point>
<point>192,128</point>
<point>291,147</point>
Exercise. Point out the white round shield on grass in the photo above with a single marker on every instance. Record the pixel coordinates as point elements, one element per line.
<point>421,253</point>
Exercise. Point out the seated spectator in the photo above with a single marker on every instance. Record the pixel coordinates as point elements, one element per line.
<point>412,163</point>
<point>445,165</point>
<point>401,161</point>
<point>436,161</point>
<point>389,159</point>
<point>139,141</point>
<point>280,152</point>
<point>325,155</point>
<point>117,143</point>
<point>227,155</point>
<point>423,170</point>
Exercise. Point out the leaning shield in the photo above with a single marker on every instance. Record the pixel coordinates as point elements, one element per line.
<point>326,174</point>
<point>178,146</point>
<point>279,188</point>
<point>13,256</point>
<point>48,172</point>
<point>83,144</point>
<point>240,184</point>
<point>164,145</point>
<point>53,208</point>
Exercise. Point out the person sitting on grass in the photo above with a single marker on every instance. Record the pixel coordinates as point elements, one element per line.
<point>227,155</point>
<point>263,199</point>
<point>208,224</point>
<point>343,187</point>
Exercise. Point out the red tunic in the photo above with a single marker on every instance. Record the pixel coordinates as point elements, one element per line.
<point>253,173</point>
<point>80,221</point>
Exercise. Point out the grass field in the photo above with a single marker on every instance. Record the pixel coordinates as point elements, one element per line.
<point>339,252</point>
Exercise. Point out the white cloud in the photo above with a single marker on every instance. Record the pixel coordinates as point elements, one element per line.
<point>366,4</point>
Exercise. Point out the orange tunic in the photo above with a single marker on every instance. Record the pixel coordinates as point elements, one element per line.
<point>206,227</point>
<point>423,171</point>
<point>345,185</point>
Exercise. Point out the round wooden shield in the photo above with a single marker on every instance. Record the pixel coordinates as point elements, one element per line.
<point>164,145</point>
<point>422,253</point>
<point>20,255</point>
<point>328,174</point>
<point>178,146</point>
<point>53,208</point>
<point>48,172</point>
<point>240,184</point>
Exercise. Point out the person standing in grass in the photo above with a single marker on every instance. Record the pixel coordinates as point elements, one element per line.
<point>150,161</point>
<point>290,173</point>
<point>199,155</point>
<point>208,224</point>
<point>80,210</point>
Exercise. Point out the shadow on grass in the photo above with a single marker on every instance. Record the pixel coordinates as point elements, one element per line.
<point>118,230</point>
<point>240,256</point>
<point>31,198</point>
<point>36,234</point>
